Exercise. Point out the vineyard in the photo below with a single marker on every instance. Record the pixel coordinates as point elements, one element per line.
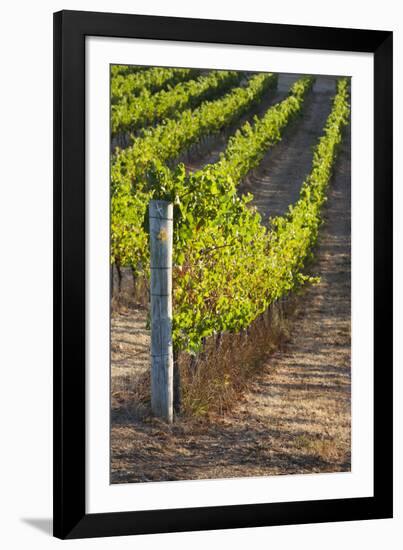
<point>256,166</point>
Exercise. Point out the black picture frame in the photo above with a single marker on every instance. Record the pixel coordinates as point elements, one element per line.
<point>70,517</point>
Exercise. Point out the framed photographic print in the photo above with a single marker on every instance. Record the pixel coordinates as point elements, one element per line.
<point>223,274</point>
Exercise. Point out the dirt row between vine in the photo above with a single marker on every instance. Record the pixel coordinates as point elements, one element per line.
<point>219,141</point>
<point>277,181</point>
<point>295,418</point>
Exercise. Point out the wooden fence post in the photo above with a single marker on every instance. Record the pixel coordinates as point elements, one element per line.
<point>161,226</point>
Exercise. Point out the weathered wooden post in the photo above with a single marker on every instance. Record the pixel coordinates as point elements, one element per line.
<point>161,226</point>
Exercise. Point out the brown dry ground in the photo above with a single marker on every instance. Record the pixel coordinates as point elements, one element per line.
<point>295,415</point>
<point>277,181</point>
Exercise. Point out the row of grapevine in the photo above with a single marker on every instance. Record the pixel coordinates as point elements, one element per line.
<point>244,151</point>
<point>167,140</point>
<point>125,69</point>
<point>130,173</point>
<point>149,108</point>
<point>124,86</point>
<point>250,143</point>
<point>228,267</point>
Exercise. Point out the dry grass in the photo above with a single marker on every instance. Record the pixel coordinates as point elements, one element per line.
<point>293,417</point>
<point>215,380</point>
<point>211,382</point>
<point>291,414</point>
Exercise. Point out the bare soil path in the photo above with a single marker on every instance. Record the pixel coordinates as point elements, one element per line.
<point>276,182</point>
<point>130,352</point>
<point>296,416</point>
